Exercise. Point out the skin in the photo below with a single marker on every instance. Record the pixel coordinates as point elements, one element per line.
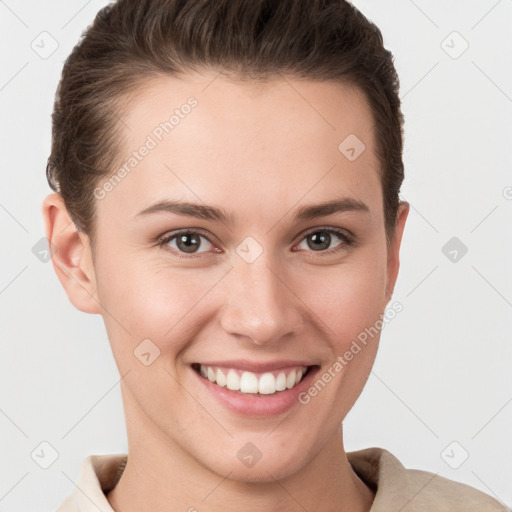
<point>260,152</point>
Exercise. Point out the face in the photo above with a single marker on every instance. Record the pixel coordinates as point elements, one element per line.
<point>248,286</point>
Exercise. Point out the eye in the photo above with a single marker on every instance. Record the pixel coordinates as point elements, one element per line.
<point>186,242</point>
<point>320,240</point>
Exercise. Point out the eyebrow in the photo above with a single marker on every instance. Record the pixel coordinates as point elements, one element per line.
<point>202,211</point>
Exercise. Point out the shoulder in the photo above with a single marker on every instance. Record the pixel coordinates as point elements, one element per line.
<point>412,490</point>
<point>98,475</point>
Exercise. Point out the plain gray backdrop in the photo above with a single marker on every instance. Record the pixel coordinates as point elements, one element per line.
<point>440,394</point>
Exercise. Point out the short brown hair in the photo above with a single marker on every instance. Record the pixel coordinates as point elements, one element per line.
<point>133,40</point>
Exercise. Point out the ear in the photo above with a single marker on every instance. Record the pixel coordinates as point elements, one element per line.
<point>394,248</point>
<point>71,255</point>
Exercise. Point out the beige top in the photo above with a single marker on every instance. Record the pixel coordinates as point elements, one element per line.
<point>397,488</point>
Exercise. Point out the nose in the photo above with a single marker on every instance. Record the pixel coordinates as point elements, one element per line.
<point>260,305</point>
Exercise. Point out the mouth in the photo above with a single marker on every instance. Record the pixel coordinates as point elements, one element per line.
<point>246,382</point>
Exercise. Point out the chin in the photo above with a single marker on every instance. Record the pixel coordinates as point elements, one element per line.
<point>243,461</point>
<point>264,471</point>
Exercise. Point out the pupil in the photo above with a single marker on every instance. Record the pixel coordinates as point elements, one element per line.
<point>324,240</point>
<point>188,242</point>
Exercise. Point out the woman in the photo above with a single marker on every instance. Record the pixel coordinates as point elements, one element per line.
<point>227,180</point>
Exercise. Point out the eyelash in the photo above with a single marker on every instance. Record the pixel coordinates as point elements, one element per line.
<point>347,241</point>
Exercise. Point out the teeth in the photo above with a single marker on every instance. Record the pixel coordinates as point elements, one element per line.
<point>281,382</point>
<point>251,383</point>
<point>220,378</point>
<point>290,380</point>
<point>232,380</point>
<point>267,384</point>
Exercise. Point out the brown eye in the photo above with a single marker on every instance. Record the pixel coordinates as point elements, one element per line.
<point>187,242</point>
<point>321,240</point>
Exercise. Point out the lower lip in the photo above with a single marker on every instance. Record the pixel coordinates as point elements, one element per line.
<point>255,404</point>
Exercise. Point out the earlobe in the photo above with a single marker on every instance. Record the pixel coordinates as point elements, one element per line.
<point>394,248</point>
<point>71,255</point>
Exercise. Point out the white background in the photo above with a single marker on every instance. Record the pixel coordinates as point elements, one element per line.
<point>443,372</point>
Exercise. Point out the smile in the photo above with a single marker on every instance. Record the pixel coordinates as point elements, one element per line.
<point>246,382</point>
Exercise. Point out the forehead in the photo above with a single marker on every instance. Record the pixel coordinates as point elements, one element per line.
<point>300,110</point>
<point>204,136</point>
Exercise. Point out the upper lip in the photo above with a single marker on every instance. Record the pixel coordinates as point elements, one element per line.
<point>255,366</point>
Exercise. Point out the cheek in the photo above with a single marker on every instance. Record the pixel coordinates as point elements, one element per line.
<point>151,301</point>
<point>347,298</point>
<point>350,307</point>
